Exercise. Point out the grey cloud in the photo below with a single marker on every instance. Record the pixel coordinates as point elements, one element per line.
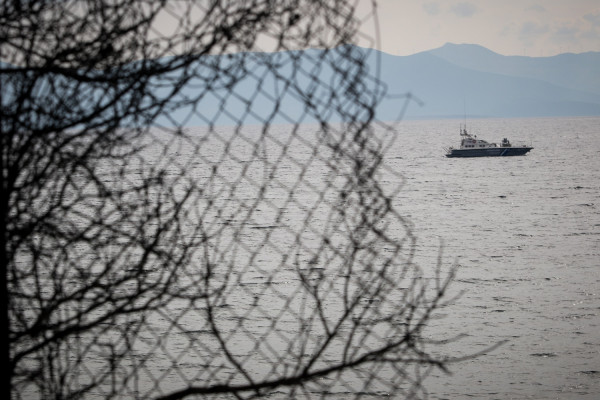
<point>432,8</point>
<point>464,9</point>
<point>530,31</point>
<point>593,18</point>
<point>567,32</point>
<point>538,8</point>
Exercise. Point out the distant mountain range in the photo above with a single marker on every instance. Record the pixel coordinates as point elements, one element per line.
<point>493,85</point>
<point>450,81</point>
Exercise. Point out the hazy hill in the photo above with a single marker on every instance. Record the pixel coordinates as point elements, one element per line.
<point>447,80</point>
<point>489,84</point>
<point>294,86</point>
<point>573,71</point>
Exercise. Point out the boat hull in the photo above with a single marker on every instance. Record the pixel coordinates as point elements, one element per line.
<point>489,152</point>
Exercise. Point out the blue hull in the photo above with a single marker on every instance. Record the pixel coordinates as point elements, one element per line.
<point>489,152</point>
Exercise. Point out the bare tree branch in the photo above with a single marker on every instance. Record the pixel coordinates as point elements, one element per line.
<point>185,215</point>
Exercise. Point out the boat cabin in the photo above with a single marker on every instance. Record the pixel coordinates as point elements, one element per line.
<point>471,142</point>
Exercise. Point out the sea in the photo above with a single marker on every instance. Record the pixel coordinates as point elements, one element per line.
<point>525,234</point>
<point>522,233</point>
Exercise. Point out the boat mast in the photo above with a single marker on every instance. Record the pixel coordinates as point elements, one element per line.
<point>465,114</point>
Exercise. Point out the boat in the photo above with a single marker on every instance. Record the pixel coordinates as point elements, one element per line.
<point>471,146</point>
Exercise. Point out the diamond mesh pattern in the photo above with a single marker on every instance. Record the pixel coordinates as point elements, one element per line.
<point>186,217</point>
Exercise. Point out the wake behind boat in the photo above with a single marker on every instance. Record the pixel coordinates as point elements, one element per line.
<point>470,146</point>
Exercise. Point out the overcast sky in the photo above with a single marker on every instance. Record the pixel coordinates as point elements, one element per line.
<point>510,27</point>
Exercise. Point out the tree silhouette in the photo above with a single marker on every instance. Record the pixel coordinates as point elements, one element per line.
<point>143,257</point>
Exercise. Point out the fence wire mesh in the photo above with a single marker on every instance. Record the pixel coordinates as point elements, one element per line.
<point>187,216</point>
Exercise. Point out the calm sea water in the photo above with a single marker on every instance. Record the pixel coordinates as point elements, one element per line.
<point>525,232</point>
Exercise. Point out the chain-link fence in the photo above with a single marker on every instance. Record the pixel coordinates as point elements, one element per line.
<point>184,216</point>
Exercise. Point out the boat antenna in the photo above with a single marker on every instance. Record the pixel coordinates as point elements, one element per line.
<point>465,112</point>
